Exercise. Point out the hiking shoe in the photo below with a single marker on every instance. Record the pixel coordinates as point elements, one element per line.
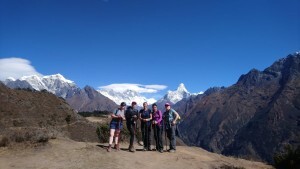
<point>172,151</point>
<point>109,148</point>
<point>132,149</point>
<point>161,150</point>
<point>117,147</point>
<point>144,149</point>
<point>141,143</point>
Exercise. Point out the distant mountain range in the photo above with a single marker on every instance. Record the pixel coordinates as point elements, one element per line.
<point>128,96</point>
<point>55,84</point>
<point>253,118</point>
<point>86,99</point>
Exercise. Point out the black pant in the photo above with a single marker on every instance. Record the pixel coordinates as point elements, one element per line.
<point>158,137</point>
<point>131,129</point>
<point>146,134</point>
<point>171,136</point>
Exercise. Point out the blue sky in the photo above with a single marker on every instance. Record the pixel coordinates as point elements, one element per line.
<point>165,42</point>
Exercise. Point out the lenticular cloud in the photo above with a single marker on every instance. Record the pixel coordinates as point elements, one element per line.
<point>16,68</point>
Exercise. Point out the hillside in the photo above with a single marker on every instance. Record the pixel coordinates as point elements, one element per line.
<point>253,118</point>
<point>34,117</point>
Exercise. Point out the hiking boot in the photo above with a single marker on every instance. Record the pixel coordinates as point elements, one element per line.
<point>132,149</point>
<point>172,151</point>
<point>109,148</point>
<point>117,147</point>
<point>141,143</point>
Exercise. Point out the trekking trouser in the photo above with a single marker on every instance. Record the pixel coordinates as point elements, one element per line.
<point>158,137</point>
<point>155,136</point>
<point>165,130</point>
<point>130,127</point>
<point>146,133</point>
<point>171,136</point>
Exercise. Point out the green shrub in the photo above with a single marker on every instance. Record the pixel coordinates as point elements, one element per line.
<point>68,119</point>
<point>3,141</point>
<point>103,133</point>
<point>289,159</point>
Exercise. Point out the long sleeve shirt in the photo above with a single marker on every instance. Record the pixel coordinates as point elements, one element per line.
<point>157,116</point>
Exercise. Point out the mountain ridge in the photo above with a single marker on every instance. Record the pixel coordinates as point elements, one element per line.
<point>260,109</point>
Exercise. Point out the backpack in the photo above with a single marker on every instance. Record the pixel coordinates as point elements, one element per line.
<point>173,114</point>
<point>179,118</point>
<point>116,112</point>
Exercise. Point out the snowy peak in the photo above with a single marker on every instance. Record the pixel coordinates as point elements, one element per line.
<point>181,88</point>
<point>177,95</point>
<point>55,84</point>
<point>58,77</point>
<point>126,96</point>
<point>35,82</point>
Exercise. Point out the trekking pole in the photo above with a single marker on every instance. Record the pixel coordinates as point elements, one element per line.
<point>144,134</point>
<point>166,136</point>
<point>119,132</point>
<point>135,133</point>
<point>147,134</point>
<point>156,138</point>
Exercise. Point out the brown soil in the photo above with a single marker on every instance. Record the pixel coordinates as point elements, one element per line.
<point>63,153</point>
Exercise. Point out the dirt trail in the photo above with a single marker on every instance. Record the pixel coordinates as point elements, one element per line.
<point>62,153</point>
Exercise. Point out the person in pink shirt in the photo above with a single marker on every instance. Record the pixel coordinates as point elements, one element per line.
<point>157,127</point>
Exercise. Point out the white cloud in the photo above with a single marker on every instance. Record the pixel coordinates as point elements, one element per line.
<point>134,87</point>
<point>16,68</point>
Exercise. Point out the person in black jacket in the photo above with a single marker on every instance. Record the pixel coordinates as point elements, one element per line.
<point>146,117</point>
<point>131,116</point>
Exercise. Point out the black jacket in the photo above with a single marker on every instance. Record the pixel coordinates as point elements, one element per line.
<point>130,112</point>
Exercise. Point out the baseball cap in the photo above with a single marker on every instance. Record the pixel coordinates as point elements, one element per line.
<point>123,104</point>
<point>133,103</point>
<point>167,104</point>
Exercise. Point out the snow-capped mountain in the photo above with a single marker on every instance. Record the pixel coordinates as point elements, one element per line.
<point>55,84</point>
<point>126,96</point>
<point>174,96</point>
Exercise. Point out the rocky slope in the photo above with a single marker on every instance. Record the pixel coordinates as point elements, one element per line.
<point>88,99</point>
<point>253,118</point>
<point>31,116</point>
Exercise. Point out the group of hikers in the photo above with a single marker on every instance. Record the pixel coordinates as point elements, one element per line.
<point>150,120</point>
